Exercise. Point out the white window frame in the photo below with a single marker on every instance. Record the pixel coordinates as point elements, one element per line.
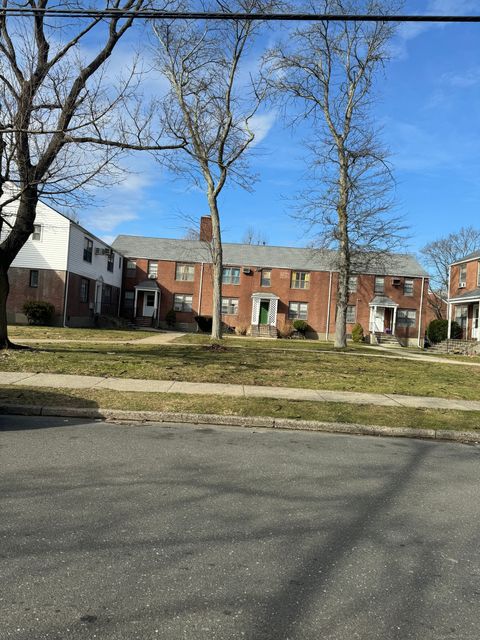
<point>183,271</point>
<point>348,318</point>
<point>229,277</point>
<point>37,232</point>
<point>295,312</point>
<point>462,279</point>
<point>229,306</point>
<point>408,291</point>
<point>406,317</point>
<point>181,303</point>
<point>33,281</point>
<point>152,268</point>
<point>352,284</point>
<point>376,289</point>
<point>302,282</point>
<point>263,279</point>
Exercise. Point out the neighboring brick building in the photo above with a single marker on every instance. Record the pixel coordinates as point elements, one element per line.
<point>265,287</point>
<point>66,265</point>
<point>464,296</point>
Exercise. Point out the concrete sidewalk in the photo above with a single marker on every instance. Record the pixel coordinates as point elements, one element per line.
<point>60,381</point>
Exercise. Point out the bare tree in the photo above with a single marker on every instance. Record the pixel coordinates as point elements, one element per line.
<point>327,72</point>
<point>211,104</point>
<point>253,236</point>
<point>441,253</point>
<point>61,125</point>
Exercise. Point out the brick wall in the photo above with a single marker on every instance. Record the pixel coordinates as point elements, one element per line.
<point>51,287</point>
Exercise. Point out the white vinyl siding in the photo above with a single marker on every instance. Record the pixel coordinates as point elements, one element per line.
<point>96,269</point>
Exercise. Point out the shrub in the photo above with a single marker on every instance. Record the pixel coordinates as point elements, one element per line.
<point>38,312</point>
<point>286,330</point>
<point>437,330</point>
<point>204,323</point>
<point>171,318</point>
<point>357,332</point>
<point>242,329</point>
<point>301,326</point>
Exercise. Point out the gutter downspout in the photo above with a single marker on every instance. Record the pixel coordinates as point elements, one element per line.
<point>328,307</point>
<point>200,295</point>
<point>449,307</point>
<point>65,298</point>
<point>421,315</point>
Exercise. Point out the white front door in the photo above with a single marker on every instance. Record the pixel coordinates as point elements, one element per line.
<point>379,320</point>
<point>475,322</point>
<point>148,304</point>
<point>98,297</point>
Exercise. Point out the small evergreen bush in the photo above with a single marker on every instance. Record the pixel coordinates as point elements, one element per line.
<point>357,332</point>
<point>301,326</point>
<point>437,330</point>
<point>38,312</point>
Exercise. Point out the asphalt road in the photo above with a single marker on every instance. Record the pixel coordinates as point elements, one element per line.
<point>181,532</point>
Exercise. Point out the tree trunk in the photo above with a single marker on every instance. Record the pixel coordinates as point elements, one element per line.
<point>4,289</point>
<point>343,258</point>
<point>217,267</point>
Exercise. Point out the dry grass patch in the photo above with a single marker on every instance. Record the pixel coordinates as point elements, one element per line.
<point>22,332</point>
<point>178,403</point>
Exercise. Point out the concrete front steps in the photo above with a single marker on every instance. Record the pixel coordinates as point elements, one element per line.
<point>387,340</point>
<point>461,347</point>
<point>263,331</point>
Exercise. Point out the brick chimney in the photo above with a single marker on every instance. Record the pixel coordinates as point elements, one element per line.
<point>205,229</point>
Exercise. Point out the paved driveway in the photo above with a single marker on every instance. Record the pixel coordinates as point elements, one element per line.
<point>145,532</point>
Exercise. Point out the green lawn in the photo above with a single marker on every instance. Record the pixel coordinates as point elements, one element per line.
<point>177,403</point>
<point>314,369</point>
<point>17,333</point>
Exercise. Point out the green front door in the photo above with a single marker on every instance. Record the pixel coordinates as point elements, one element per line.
<point>264,309</point>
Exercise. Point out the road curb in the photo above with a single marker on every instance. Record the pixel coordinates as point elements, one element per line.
<point>240,421</point>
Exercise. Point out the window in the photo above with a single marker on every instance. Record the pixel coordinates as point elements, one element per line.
<point>131,268</point>
<point>87,249</point>
<point>37,232</point>
<point>84,289</point>
<point>119,262</point>
<point>462,278</point>
<point>408,287</point>
<point>129,299</point>
<point>182,302</point>
<point>110,261</point>
<point>297,311</point>
<point>300,280</point>
<point>229,306</point>
<point>352,284</point>
<point>231,275</point>
<point>185,272</point>
<point>379,284</point>
<point>34,278</point>
<point>152,269</point>
<point>406,317</point>
<point>351,314</point>
<point>266,278</point>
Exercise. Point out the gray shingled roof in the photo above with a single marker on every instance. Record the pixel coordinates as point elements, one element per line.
<point>475,293</point>
<point>260,256</point>
<point>471,256</point>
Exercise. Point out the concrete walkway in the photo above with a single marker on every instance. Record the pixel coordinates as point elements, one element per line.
<point>60,381</point>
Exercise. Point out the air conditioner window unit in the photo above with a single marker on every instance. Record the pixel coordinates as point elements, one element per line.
<point>462,285</point>
<point>152,276</point>
<point>247,270</point>
<point>396,281</point>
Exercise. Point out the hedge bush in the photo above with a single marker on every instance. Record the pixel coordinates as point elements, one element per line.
<point>171,318</point>
<point>204,323</point>
<point>357,333</point>
<point>301,326</point>
<point>38,312</point>
<point>437,330</point>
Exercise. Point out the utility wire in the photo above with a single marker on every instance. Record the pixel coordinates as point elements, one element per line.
<point>270,17</point>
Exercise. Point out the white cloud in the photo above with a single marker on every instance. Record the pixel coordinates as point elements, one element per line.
<point>468,78</point>
<point>107,219</point>
<point>261,124</point>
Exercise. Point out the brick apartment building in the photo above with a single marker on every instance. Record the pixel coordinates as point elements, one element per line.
<point>265,287</point>
<point>464,296</point>
<point>66,265</point>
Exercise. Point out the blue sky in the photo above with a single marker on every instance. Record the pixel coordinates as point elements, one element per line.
<point>429,107</point>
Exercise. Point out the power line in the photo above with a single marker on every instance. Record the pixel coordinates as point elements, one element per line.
<point>186,15</point>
